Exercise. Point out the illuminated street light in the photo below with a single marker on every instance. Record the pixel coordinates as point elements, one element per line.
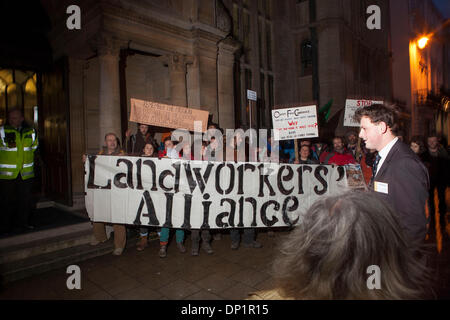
<point>422,42</point>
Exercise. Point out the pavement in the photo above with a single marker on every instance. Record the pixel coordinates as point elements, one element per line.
<point>225,275</point>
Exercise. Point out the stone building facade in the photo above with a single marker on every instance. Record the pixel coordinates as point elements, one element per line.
<point>202,54</point>
<point>326,52</point>
<point>177,52</point>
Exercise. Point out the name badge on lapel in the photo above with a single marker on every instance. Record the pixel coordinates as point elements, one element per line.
<point>381,187</point>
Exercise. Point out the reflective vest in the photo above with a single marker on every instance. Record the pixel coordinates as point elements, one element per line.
<point>17,152</point>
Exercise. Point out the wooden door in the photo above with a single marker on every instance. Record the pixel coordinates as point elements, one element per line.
<point>55,134</point>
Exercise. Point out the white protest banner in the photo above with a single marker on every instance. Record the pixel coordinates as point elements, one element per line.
<point>198,194</point>
<point>167,116</point>
<point>351,106</point>
<point>295,123</point>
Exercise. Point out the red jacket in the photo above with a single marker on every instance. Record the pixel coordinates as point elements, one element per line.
<point>337,158</point>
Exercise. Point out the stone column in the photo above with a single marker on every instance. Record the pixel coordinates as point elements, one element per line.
<point>177,74</point>
<point>225,82</point>
<point>77,133</point>
<point>109,93</point>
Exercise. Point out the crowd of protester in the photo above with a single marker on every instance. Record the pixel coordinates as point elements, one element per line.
<point>340,150</point>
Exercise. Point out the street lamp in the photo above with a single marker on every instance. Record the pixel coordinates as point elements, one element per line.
<point>422,42</point>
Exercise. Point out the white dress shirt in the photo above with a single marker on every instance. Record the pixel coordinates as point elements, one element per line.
<point>384,152</point>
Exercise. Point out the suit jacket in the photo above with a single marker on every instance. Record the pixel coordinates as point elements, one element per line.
<point>407,189</point>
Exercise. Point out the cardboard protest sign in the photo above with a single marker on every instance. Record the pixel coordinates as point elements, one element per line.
<point>167,116</point>
<point>295,123</point>
<point>351,106</point>
<point>208,195</point>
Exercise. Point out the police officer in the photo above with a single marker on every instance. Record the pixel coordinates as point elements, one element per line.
<point>18,142</point>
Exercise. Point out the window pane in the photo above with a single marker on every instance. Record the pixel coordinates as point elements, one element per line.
<point>271,103</point>
<point>248,86</point>
<point>6,76</point>
<point>2,102</point>
<point>248,80</point>
<point>13,96</point>
<point>262,102</point>
<point>246,30</point>
<point>18,90</point>
<point>262,7</point>
<point>30,100</point>
<point>271,100</point>
<point>269,45</point>
<point>260,41</point>
<point>306,57</point>
<point>268,9</point>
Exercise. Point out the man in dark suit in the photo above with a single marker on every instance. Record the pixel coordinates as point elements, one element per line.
<point>399,177</point>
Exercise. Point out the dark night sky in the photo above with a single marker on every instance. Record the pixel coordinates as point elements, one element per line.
<point>444,7</point>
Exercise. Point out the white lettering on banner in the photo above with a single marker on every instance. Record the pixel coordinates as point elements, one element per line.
<point>199,194</point>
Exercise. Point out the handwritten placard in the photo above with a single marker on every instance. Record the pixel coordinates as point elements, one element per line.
<point>295,123</point>
<point>167,116</point>
<point>351,105</point>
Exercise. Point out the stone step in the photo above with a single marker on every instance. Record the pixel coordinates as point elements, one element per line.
<point>42,242</point>
<point>64,256</point>
<point>38,264</point>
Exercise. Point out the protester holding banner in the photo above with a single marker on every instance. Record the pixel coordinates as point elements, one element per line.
<point>232,148</point>
<point>214,149</point>
<point>399,177</point>
<point>171,153</point>
<point>214,152</point>
<point>195,233</point>
<point>148,151</point>
<point>351,138</point>
<point>137,141</point>
<point>111,148</point>
<point>317,149</point>
<point>339,156</point>
<point>169,149</point>
<point>341,244</point>
<point>305,156</point>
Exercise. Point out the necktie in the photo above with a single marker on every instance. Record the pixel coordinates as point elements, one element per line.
<point>374,168</point>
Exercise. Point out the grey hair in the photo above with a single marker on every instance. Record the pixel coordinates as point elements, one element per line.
<point>327,255</point>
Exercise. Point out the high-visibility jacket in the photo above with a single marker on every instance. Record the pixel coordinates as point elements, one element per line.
<point>17,152</point>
